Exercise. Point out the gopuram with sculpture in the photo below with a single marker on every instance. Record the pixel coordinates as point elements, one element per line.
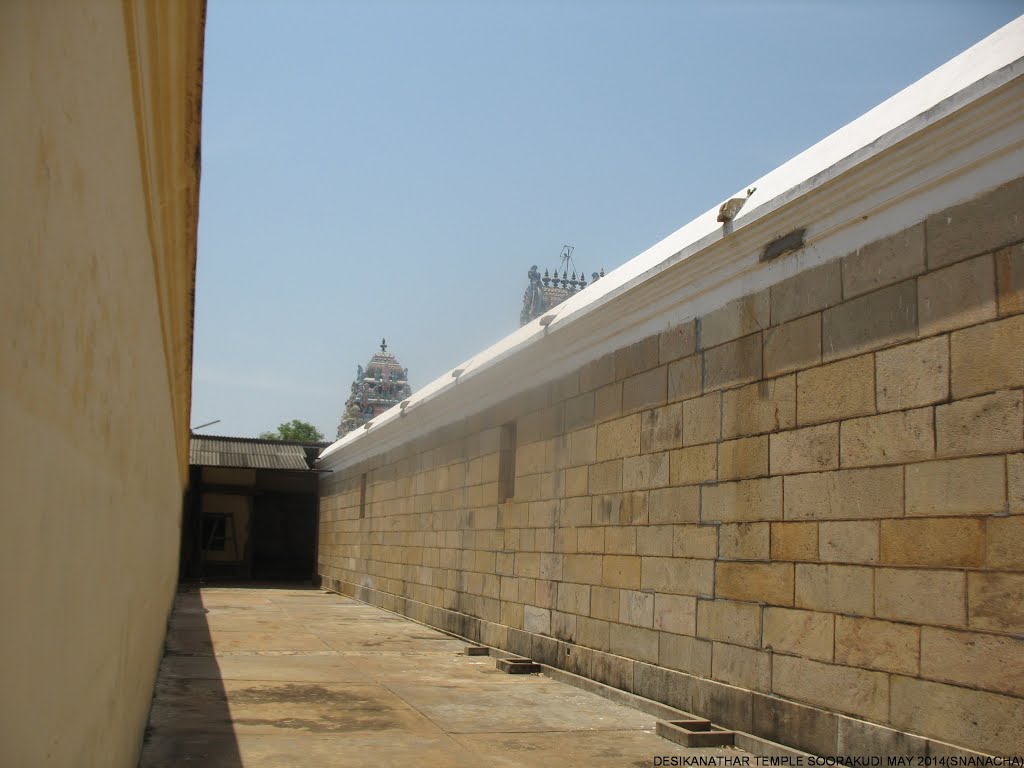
<point>547,292</point>
<point>381,385</point>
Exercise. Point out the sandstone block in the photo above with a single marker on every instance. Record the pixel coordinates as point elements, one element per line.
<point>583,446</point>
<point>846,494</point>
<point>565,540</point>
<point>606,477</point>
<point>649,470</point>
<point>566,387</point>
<point>808,291</point>
<point>725,704</point>
<point>645,390</point>
<point>537,620</point>
<point>859,737</point>
<point>636,608</point>
<point>794,541</point>
<point>732,363</point>
<point>877,644</point>
<point>740,317</point>
<point>579,411</point>
<point>934,542</point>
<point>675,613</point>
<point>620,540</point>
<point>913,375</point>
<point>973,660</point>
<point>579,569</point>
<point>793,345</point>
<point>743,667</point>
<point>743,458</point>
<point>879,319</point>
<point>621,571</point>
<point>530,458</point>
<point>889,438</point>
<point>608,402</point>
<point>1005,543</point>
<point>855,691</point>
<point>1015,482</point>
<point>996,602</point>
<point>761,407</point>
<point>678,341</point>
<point>796,725</point>
<point>620,509</point>
<point>604,603</point>
<point>697,464</point>
<point>558,452</point>
<point>802,633</point>
<point>811,449</point>
<point>597,373</point>
<point>702,419</point>
<point>685,378</point>
<point>563,627</point>
<point>573,598</point>
<point>921,596</point>
<point>956,296</point>
<point>678,576</point>
<point>731,622</point>
<point>574,512</point>
<point>987,424</point>
<point>848,541</point>
<point>654,540</point>
<point>1010,279</point>
<point>618,438</point>
<point>746,500</point>
<point>837,391</point>
<point>577,481</point>
<point>699,541</point>
<point>770,583</point>
<point>543,514</point>
<point>952,714</point>
<point>835,588</point>
<point>884,262</point>
<point>984,224</point>
<point>637,357</point>
<point>661,429</point>
<point>956,487</point>
<point>744,541</point>
<point>674,505</point>
<point>685,653</point>
<point>633,642</point>
<point>988,357</point>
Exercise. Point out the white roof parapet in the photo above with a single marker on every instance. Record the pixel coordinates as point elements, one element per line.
<point>929,142</point>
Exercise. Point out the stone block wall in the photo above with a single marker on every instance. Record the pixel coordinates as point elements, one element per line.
<point>800,515</point>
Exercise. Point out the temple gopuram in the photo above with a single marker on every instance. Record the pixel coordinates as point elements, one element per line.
<point>544,293</point>
<point>383,384</point>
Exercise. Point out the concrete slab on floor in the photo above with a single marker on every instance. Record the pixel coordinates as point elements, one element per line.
<point>263,677</point>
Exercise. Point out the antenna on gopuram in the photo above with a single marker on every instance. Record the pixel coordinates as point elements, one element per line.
<point>564,260</point>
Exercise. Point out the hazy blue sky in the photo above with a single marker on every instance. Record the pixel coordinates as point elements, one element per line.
<point>394,168</point>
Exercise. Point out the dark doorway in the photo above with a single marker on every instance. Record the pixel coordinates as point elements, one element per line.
<point>283,537</point>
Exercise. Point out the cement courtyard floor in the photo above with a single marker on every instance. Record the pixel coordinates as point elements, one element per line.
<point>298,677</point>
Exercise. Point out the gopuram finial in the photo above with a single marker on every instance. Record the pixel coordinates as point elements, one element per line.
<point>383,345</point>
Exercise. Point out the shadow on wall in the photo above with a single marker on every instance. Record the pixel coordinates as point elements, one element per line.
<point>190,722</point>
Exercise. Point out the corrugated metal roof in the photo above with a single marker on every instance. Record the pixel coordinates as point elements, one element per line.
<point>218,451</point>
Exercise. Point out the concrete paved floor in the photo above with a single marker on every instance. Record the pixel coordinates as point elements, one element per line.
<point>298,677</point>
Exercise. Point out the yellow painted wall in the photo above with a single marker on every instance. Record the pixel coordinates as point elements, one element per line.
<point>91,419</point>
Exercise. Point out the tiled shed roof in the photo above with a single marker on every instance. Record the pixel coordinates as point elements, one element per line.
<point>219,451</point>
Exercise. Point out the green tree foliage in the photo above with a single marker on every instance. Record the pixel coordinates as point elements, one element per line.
<point>300,431</point>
